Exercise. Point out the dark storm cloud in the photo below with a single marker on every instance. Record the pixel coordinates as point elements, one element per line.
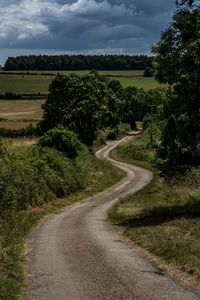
<point>129,26</point>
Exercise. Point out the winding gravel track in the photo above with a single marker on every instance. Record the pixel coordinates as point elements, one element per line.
<point>77,254</point>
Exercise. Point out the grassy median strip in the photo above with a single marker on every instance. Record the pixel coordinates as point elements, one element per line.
<point>163,218</point>
<point>17,225</point>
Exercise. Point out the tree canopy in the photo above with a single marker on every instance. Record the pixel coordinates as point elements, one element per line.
<point>62,140</point>
<point>177,63</point>
<point>82,104</point>
<point>78,62</point>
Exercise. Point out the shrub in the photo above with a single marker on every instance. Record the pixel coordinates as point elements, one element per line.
<point>148,72</point>
<point>36,175</point>
<point>62,140</point>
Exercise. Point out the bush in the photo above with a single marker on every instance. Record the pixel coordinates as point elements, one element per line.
<point>111,135</point>
<point>148,72</point>
<point>28,131</point>
<point>62,140</point>
<point>10,96</point>
<point>36,175</point>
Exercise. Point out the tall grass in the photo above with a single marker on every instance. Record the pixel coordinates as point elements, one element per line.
<point>163,218</point>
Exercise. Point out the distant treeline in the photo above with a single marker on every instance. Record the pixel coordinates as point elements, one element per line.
<point>78,62</point>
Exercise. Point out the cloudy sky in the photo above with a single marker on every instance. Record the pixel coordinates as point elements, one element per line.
<point>81,26</point>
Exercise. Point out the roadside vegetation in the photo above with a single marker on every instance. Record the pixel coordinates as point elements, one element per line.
<point>163,218</point>
<point>81,111</point>
<point>35,181</point>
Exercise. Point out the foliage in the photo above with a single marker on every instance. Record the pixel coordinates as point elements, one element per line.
<point>115,85</point>
<point>62,140</point>
<point>140,149</point>
<point>80,103</point>
<point>177,63</point>
<point>98,76</point>
<point>15,226</point>
<point>156,215</point>
<point>35,175</point>
<point>78,62</point>
<point>10,96</point>
<point>2,150</point>
<point>28,131</point>
<point>148,72</point>
<point>136,103</point>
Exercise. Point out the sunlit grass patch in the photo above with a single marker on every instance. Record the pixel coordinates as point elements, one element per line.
<point>28,84</point>
<point>163,219</point>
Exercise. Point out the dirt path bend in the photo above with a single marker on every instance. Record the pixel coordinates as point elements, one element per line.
<point>77,254</point>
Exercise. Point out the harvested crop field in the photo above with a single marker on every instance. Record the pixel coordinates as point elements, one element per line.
<point>21,109</point>
<point>16,114</point>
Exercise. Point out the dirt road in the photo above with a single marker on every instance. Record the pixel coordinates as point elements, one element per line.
<point>78,254</point>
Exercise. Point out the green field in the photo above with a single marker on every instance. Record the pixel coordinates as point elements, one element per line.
<point>24,84</point>
<point>15,114</point>
<point>29,84</point>
<point>146,83</point>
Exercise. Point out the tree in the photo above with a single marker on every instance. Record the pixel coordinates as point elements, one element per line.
<point>134,105</point>
<point>148,72</point>
<point>177,63</point>
<point>78,62</point>
<point>62,140</point>
<point>98,76</point>
<point>115,85</point>
<point>80,103</point>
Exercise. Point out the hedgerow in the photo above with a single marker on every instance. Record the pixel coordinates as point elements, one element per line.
<point>37,174</point>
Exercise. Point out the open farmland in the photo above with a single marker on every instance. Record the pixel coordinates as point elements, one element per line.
<point>20,82</point>
<point>24,84</point>
<point>16,114</point>
<point>146,83</point>
<point>16,110</point>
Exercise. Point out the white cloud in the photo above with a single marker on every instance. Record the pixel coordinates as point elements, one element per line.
<point>21,21</point>
<point>30,18</point>
<point>76,25</point>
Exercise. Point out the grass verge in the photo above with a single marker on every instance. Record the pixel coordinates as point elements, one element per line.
<point>163,218</point>
<point>16,227</point>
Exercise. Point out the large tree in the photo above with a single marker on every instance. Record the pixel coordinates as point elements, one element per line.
<point>80,103</point>
<point>177,63</point>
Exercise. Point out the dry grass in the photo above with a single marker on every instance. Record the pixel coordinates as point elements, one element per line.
<point>13,144</point>
<point>163,219</point>
<point>17,114</point>
<point>21,109</point>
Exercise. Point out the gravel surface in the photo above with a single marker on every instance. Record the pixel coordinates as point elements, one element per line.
<point>78,254</point>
